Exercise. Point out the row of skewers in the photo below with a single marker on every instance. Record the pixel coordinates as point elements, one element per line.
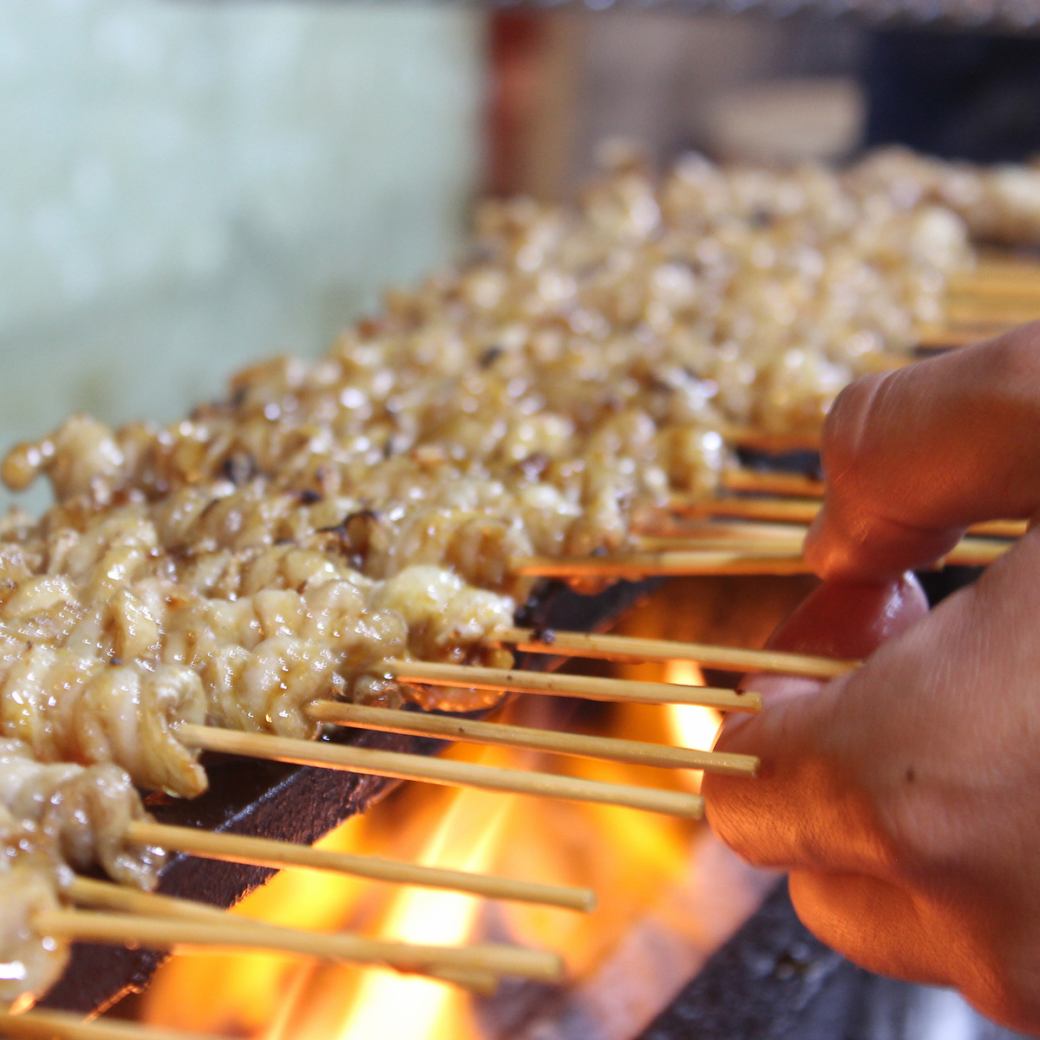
<point>124,915</point>
<point>333,543</point>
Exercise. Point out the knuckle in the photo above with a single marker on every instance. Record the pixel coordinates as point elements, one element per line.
<point>1017,353</point>
<point>733,820</point>
<point>845,446</point>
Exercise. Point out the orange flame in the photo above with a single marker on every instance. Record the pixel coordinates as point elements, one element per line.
<point>691,725</point>
<point>392,1005</point>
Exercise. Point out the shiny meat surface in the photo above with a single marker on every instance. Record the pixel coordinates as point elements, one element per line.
<point>30,963</point>
<point>583,365</point>
<point>80,812</point>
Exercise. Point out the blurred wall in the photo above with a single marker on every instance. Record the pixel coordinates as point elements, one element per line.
<point>186,186</point>
<point>662,79</point>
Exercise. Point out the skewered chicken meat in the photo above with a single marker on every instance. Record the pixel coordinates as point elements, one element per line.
<point>30,963</point>
<point>82,812</point>
<point>581,365</point>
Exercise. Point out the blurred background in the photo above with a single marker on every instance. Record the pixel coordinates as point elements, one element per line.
<point>187,186</point>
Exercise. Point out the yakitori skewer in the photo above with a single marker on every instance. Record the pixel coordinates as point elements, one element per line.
<point>778,543</point>
<point>999,268</point>
<point>105,895</point>
<point>942,338</point>
<point>553,741</point>
<point>165,933</point>
<point>401,766</point>
<point>586,687</point>
<point>1018,287</point>
<point>967,552</point>
<point>635,565</point>
<point>621,648</point>
<point>267,852</point>
<point>60,1025</point>
<point>781,509</point>
<point>754,558</point>
<point>771,482</point>
<point>982,311</point>
<point>802,511</point>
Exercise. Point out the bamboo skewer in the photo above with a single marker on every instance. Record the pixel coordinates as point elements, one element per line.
<point>553,741</point>
<point>635,565</point>
<point>586,687</point>
<point>803,511</point>
<point>967,552</point>
<point>1000,267</point>
<point>987,310</point>
<point>105,895</point>
<point>777,543</point>
<point>768,482</point>
<point>782,510</point>
<point>165,933</point>
<point>401,766</point>
<point>620,648</point>
<point>975,286</point>
<point>935,338</point>
<point>266,852</point>
<point>60,1025</point>
<point>759,557</point>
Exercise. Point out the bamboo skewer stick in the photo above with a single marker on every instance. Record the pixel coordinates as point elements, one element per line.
<point>722,533</point>
<point>934,338</point>
<point>969,552</point>
<point>438,674</point>
<point>635,565</point>
<point>758,558</point>
<point>105,895</point>
<point>401,766</point>
<point>782,510</point>
<point>766,482</point>
<point>266,852</point>
<point>620,648</point>
<point>779,543</point>
<point>1015,292</point>
<point>976,287</point>
<point>1001,266</point>
<point>165,933</point>
<point>983,311</point>
<point>802,511</point>
<point>553,741</point>
<point>60,1025</point>
<point>798,486</point>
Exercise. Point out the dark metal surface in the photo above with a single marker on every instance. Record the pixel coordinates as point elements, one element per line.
<point>290,803</point>
<point>774,981</point>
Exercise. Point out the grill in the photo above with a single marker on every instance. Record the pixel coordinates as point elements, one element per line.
<point>770,979</point>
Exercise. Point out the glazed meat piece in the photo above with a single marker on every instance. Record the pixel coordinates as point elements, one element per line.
<point>104,713</point>
<point>83,812</point>
<point>30,963</point>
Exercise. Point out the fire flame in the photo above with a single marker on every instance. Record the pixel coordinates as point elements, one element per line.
<point>644,867</point>
<point>691,725</point>
<point>391,1005</point>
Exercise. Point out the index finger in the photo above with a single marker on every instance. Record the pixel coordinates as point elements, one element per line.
<point>913,456</point>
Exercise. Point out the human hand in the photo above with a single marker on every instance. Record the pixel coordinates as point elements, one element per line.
<point>901,797</point>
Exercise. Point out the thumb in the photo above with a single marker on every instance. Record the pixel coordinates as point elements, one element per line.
<point>839,620</point>
<point>775,819</point>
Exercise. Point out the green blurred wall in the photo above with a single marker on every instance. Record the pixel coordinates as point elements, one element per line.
<point>187,186</point>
